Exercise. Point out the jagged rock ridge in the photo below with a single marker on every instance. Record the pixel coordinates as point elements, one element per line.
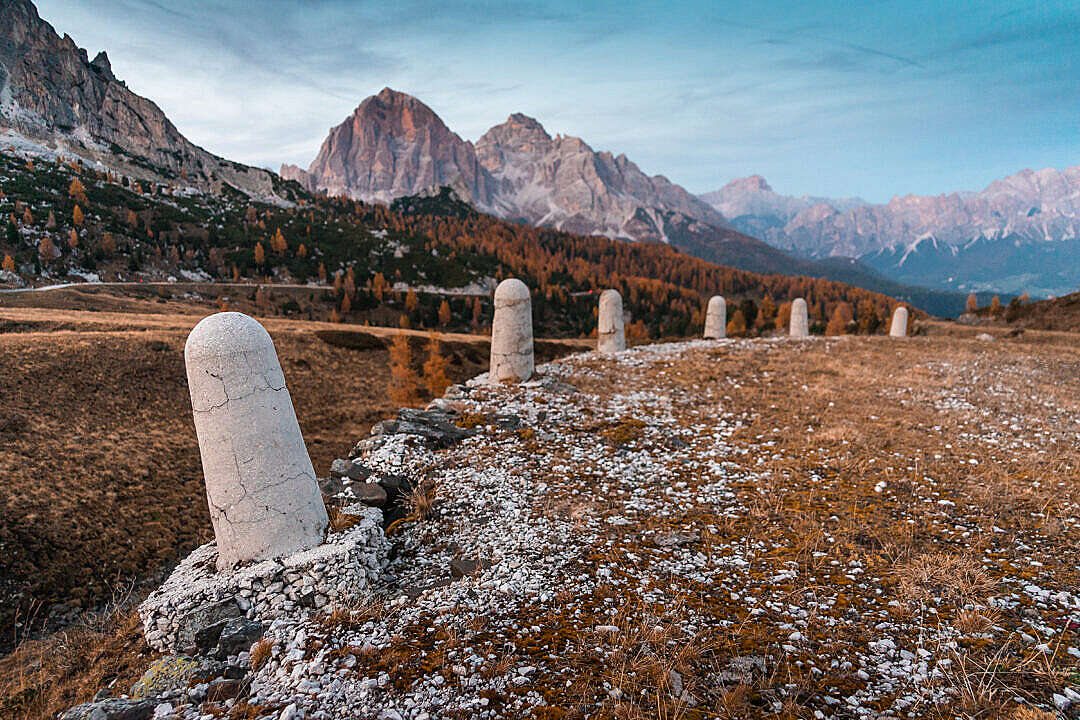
<point>393,145</point>
<point>51,93</point>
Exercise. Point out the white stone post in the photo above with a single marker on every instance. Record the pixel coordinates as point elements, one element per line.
<point>800,319</point>
<point>899,322</point>
<point>260,484</point>
<point>716,318</point>
<point>610,331</point>
<point>511,333</point>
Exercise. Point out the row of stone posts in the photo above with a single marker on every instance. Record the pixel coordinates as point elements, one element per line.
<point>260,484</point>
<point>799,324</point>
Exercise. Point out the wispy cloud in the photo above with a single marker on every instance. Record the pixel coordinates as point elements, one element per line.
<point>819,97</point>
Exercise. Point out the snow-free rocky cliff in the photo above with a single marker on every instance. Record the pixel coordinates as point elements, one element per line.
<point>52,93</point>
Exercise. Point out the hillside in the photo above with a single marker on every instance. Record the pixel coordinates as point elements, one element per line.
<point>53,96</point>
<point>129,231</point>
<point>742,529</point>
<point>1062,314</point>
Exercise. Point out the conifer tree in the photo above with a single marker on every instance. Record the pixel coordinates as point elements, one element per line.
<point>444,313</point>
<point>736,326</point>
<point>73,239</point>
<point>435,368</point>
<point>972,303</point>
<point>9,263</point>
<point>47,250</point>
<point>403,381</point>
<point>411,301</point>
<point>839,321</point>
<point>260,254</point>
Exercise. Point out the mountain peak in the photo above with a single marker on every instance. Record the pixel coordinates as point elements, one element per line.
<point>755,183</point>
<point>393,145</point>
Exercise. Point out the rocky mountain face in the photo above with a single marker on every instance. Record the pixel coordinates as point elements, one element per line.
<point>962,240</point>
<point>52,94</point>
<point>395,146</point>
<point>563,183</point>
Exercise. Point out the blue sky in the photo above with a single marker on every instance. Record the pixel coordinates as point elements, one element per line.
<point>822,98</point>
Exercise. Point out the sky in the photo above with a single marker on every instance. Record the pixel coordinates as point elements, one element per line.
<point>834,99</point>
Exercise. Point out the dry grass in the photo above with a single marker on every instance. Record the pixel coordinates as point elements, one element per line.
<point>44,677</point>
<point>260,653</point>
<point>341,521</point>
<point>420,501</point>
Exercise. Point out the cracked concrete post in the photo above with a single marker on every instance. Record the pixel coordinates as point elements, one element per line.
<point>800,321</point>
<point>260,484</point>
<point>716,318</point>
<point>899,322</point>
<point>511,333</point>
<point>610,329</point>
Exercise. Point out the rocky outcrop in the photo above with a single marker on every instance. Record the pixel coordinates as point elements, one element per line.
<point>51,92</point>
<point>392,146</point>
<point>563,183</point>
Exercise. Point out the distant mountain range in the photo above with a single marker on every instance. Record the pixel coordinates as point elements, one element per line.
<point>1020,233</point>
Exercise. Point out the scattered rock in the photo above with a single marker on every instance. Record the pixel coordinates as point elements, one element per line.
<point>349,469</point>
<point>672,539</point>
<point>985,337</point>
<point>173,674</point>
<point>238,635</point>
<point>462,567</point>
<point>111,709</point>
<point>199,629</point>
<point>508,421</point>
<point>371,494</point>
<point>435,427</point>
<point>223,689</point>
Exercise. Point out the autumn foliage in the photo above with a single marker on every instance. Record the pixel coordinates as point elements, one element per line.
<point>404,384</point>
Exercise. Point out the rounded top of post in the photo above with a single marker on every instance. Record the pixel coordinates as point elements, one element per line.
<point>900,311</point>
<point>798,303</point>
<point>716,302</point>
<point>226,333</point>
<point>610,296</point>
<point>511,290</point>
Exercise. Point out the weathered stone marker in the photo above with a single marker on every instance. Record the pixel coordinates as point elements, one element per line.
<point>610,330</point>
<point>260,484</point>
<point>716,318</point>
<point>899,322</point>
<point>800,321</point>
<point>511,333</point>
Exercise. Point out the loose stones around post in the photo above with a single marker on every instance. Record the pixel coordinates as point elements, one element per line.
<point>610,331</point>
<point>511,333</point>
<point>899,322</point>
<point>800,320</point>
<point>716,318</point>
<point>260,484</point>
